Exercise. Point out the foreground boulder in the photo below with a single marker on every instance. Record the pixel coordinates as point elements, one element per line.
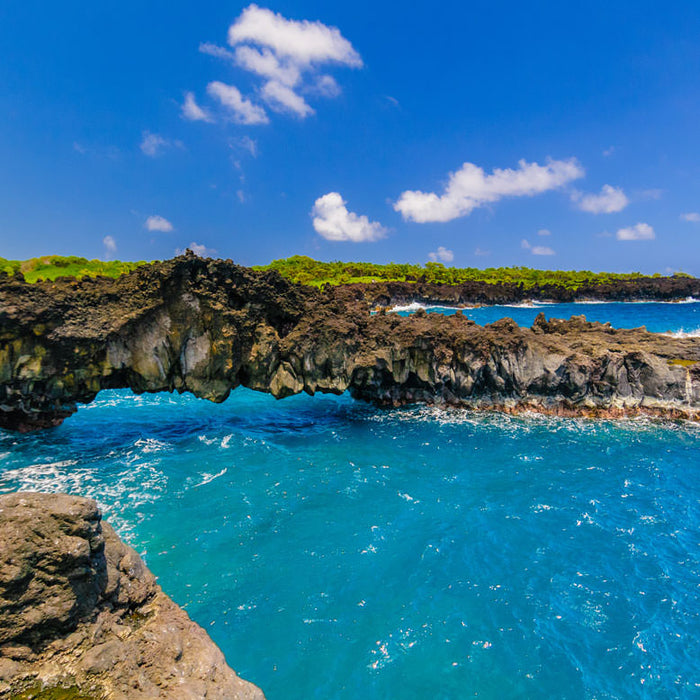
<point>208,326</point>
<point>82,617</point>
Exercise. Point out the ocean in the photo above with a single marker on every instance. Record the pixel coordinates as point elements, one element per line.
<point>334,550</point>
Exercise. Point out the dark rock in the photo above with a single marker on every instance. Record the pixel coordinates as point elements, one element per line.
<point>79,610</point>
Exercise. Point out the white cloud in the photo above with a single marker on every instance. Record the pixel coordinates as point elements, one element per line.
<point>158,223</point>
<point>243,110</point>
<point>192,111</point>
<point>609,151</point>
<point>638,232</point>
<point>470,188</point>
<point>442,254</point>
<point>536,249</point>
<point>609,201</point>
<point>288,55</point>
<point>544,232</point>
<point>334,222</point>
<point>153,144</point>
<point>481,252</point>
<point>110,244</point>
<point>283,99</point>
<point>266,64</point>
<point>303,42</point>
<point>197,249</point>
<point>691,216</point>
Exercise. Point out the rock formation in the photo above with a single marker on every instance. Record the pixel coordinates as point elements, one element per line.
<point>81,617</point>
<point>206,327</point>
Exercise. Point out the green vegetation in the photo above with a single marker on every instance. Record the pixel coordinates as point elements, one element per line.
<point>300,268</point>
<point>38,692</point>
<point>50,267</point>
<point>682,363</point>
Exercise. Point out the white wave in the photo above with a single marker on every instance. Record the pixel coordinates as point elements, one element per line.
<point>682,333</point>
<point>208,478</point>
<point>415,306</point>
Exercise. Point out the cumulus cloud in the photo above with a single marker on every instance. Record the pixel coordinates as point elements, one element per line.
<point>283,99</point>
<point>442,254</point>
<point>334,222</point>
<point>158,223</point>
<point>536,249</point>
<point>110,245</point>
<point>692,216</point>
<point>242,111</point>
<point>609,201</point>
<point>638,232</point>
<point>470,187</point>
<point>303,42</point>
<point>192,111</point>
<point>287,56</point>
<point>197,249</point>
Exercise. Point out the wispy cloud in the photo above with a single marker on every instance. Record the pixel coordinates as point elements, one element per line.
<point>638,232</point>
<point>544,232</point>
<point>158,223</point>
<point>110,245</point>
<point>238,108</point>
<point>192,111</point>
<point>609,151</point>
<point>288,56</point>
<point>536,249</point>
<point>442,254</point>
<point>609,201</point>
<point>692,216</point>
<point>154,145</point>
<point>333,221</point>
<point>470,187</point>
<point>480,252</point>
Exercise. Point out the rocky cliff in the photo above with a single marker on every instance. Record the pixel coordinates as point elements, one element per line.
<point>207,326</point>
<point>82,618</point>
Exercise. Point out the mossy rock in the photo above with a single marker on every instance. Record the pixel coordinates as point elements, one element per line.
<point>682,363</point>
<point>39,692</point>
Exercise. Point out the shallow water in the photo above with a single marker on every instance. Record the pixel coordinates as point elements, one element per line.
<point>680,318</point>
<point>334,550</point>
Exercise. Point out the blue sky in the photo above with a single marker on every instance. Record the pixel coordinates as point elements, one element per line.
<point>547,134</point>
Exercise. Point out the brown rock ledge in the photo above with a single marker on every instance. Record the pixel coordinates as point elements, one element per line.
<point>81,617</point>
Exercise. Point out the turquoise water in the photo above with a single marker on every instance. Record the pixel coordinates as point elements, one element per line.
<point>659,317</point>
<point>338,551</point>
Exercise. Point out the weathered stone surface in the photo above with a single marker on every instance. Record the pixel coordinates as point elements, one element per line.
<point>208,326</point>
<point>80,610</point>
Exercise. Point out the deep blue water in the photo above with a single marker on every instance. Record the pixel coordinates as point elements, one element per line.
<point>659,317</point>
<point>338,551</point>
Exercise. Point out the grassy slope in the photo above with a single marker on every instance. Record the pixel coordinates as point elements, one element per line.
<point>49,267</point>
<point>306,270</point>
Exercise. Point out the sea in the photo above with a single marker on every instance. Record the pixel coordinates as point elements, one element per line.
<point>334,550</point>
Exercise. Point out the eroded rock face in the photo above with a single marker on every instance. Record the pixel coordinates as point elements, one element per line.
<point>80,610</point>
<point>207,326</point>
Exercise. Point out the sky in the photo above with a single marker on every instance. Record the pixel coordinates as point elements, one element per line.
<point>484,134</point>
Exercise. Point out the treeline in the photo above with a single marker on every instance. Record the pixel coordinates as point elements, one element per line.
<point>300,268</point>
<point>50,267</point>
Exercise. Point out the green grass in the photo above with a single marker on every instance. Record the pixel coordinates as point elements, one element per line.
<point>50,267</point>
<point>305,270</point>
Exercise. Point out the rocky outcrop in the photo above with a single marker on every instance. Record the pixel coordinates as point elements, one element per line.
<point>82,617</point>
<point>387,294</point>
<point>206,327</point>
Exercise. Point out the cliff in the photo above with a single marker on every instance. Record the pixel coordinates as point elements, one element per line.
<point>207,326</point>
<point>82,618</point>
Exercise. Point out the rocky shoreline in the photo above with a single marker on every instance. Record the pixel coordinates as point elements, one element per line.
<point>82,618</point>
<point>208,326</point>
